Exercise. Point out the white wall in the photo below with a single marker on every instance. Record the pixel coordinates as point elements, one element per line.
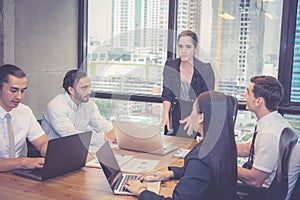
<point>41,37</point>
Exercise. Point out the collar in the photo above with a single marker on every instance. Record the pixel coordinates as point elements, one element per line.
<point>70,102</point>
<point>266,120</point>
<point>2,113</point>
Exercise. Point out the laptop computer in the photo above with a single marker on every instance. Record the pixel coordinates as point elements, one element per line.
<point>114,176</point>
<point>63,155</point>
<point>141,137</point>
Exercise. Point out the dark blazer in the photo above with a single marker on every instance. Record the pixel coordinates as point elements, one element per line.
<point>195,180</point>
<point>203,79</point>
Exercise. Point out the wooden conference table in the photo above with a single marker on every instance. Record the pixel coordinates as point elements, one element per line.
<point>88,182</point>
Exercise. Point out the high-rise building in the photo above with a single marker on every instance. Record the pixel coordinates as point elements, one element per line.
<point>189,15</point>
<point>140,24</point>
<point>128,23</point>
<point>236,47</point>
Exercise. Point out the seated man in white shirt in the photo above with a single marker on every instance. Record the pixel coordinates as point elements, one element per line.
<point>72,112</point>
<point>17,122</point>
<point>262,98</point>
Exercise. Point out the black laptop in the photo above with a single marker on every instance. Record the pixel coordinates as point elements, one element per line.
<point>112,171</point>
<point>63,155</point>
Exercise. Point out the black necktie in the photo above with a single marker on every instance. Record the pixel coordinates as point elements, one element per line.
<point>251,154</point>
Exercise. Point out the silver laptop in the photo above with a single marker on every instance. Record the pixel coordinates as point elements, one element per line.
<point>63,155</point>
<point>115,178</point>
<point>141,137</point>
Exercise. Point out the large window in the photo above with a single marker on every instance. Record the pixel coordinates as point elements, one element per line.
<point>128,41</point>
<point>142,112</point>
<point>127,45</point>
<point>240,38</point>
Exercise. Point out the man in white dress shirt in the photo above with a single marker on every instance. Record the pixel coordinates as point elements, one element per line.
<point>262,98</point>
<point>72,112</point>
<point>22,122</point>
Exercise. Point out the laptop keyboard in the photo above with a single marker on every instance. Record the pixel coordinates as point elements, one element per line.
<point>127,178</point>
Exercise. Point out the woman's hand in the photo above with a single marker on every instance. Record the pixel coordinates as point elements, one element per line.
<point>165,121</point>
<point>188,125</point>
<point>135,187</point>
<point>156,176</point>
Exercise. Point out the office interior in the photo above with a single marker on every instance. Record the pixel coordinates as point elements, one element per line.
<point>47,38</point>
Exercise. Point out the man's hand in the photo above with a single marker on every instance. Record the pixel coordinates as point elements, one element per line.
<point>32,163</point>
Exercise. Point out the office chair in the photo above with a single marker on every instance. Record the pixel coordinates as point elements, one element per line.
<point>235,103</point>
<point>31,150</point>
<point>279,186</point>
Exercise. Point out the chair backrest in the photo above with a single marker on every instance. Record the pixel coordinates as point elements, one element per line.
<point>288,140</point>
<point>279,187</point>
<point>31,150</point>
<point>235,103</point>
<point>294,172</point>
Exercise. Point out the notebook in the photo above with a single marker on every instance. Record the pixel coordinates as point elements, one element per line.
<point>141,137</point>
<point>63,155</point>
<point>114,176</point>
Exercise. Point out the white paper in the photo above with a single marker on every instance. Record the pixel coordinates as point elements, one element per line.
<point>93,149</point>
<point>136,165</point>
<point>93,163</point>
<point>122,159</point>
<point>181,153</point>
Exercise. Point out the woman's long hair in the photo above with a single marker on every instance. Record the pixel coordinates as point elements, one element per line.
<point>219,142</point>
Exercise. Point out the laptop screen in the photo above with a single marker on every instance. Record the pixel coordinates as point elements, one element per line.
<point>63,155</point>
<point>109,164</point>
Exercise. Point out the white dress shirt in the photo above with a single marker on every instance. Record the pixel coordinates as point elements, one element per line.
<point>24,125</point>
<point>266,145</point>
<point>63,117</point>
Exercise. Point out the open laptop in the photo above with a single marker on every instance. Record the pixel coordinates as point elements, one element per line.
<point>112,171</point>
<point>141,137</point>
<point>63,155</point>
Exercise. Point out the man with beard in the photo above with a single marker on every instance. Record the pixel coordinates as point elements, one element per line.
<point>72,112</point>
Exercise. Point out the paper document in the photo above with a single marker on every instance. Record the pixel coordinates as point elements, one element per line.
<point>121,159</point>
<point>93,149</point>
<point>181,153</point>
<point>136,165</point>
<point>93,163</point>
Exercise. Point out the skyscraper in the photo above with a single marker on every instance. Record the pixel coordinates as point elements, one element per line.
<point>128,23</point>
<point>236,43</point>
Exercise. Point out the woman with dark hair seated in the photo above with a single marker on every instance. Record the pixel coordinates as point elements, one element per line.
<point>210,168</point>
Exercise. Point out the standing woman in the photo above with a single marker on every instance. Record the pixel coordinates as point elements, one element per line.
<point>184,78</point>
<point>210,168</point>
